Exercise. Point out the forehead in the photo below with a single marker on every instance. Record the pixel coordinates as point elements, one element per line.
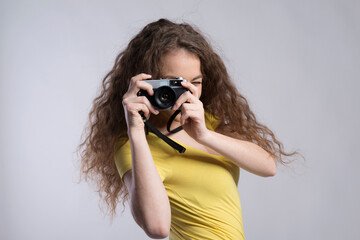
<point>181,63</point>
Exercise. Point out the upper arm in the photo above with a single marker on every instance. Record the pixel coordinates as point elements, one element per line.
<point>128,180</point>
<point>226,130</point>
<point>128,183</point>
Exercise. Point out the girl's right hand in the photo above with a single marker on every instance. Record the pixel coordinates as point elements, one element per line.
<point>133,104</point>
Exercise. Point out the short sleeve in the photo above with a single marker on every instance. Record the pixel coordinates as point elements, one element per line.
<point>211,121</point>
<point>123,159</point>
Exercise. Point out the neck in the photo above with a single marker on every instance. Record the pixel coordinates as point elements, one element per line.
<point>160,121</point>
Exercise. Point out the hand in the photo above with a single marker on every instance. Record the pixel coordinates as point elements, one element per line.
<point>133,104</point>
<point>192,112</point>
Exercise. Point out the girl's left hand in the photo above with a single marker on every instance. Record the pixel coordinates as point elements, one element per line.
<point>192,112</point>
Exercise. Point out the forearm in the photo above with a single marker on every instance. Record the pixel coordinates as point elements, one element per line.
<point>149,200</point>
<point>246,155</point>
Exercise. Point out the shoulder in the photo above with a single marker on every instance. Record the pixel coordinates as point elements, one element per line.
<point>211,121</point>
<point>122,147</point>
<point>122,157</point>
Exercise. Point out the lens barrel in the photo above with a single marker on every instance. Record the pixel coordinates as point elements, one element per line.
<point>164,97</point>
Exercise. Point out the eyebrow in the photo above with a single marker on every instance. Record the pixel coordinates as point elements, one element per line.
<point>197,77</point>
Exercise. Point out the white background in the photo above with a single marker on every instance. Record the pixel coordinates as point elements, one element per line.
<point>297,63</point>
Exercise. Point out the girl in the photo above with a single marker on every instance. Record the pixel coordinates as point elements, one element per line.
<point>190,195</point>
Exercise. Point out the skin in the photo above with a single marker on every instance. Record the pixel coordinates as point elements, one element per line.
<point>182,63</point>
<point>149,201</point>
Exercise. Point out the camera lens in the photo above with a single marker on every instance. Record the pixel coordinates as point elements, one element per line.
<point>164,97</point>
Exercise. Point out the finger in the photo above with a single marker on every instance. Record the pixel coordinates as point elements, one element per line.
<point>137,107</point>
<point>140,77</point>
<point>136,84</point>
<point>183,117</point>
<point>144,100</point>
<point>141,85</point>
<point>191,87</point>
<point>190,107</point>
<point>186,117</point>
<point>185,97</point>
<point>129,101</point>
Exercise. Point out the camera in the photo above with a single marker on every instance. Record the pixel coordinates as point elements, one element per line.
<point>166,92</point>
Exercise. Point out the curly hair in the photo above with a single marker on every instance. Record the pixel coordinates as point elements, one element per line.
<point>106,129</point>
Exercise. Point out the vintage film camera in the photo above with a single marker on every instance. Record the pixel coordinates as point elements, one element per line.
<point>166,92</point>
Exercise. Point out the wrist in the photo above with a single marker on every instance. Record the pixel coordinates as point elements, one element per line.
<point>134,132</point>
<point>204,138</point>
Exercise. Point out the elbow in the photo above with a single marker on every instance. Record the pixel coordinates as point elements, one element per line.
<point>271,171</point>
<point>157,228</point>
<point>157,231</point>
<point>155,225</point>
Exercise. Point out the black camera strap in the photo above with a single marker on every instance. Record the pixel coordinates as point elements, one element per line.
<point>171,119</point>
<point>169,141</point>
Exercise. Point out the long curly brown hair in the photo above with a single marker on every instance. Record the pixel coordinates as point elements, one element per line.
<point>106,130</point>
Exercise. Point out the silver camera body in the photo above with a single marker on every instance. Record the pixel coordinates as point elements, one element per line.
<point>166,92</point>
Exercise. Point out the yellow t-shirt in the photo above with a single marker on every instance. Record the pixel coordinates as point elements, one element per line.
<point>202,189</point>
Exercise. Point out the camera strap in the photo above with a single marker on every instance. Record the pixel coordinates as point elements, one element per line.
<point>171,119</point>
<point>169,141</point>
